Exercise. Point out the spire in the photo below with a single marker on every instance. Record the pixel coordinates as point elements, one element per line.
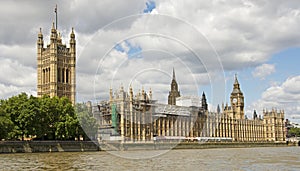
<point>174,91</point>
<point>235,79</point>
<point>174,74</point>
<point>72,35</point>
<point>55,10</point>
<point>40,35</point>
<point>254,115</point>
<point>53,28</point>
<point>203,101</point>
<point>53,34</point>
<point>236,85</point>
<point>218,109</point>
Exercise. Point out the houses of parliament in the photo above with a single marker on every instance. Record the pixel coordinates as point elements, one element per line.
<point>56,73</point>
<point>137,117</point>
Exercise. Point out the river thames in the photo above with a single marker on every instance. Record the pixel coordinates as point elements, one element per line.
<point>261,158</point>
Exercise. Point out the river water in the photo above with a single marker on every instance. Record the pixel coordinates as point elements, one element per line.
<point>261,158</point>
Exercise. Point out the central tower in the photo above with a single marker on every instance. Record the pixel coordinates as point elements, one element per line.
<point>237,100</point>
<point>56,71</point>
<point>174,91</point>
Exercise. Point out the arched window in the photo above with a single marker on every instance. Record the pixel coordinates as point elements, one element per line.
<point>49,76</point>
<point>67,75</point>
<point>58,75</point>
<point>46,75</point>
<point>43,77</point>
<point>63,75</point>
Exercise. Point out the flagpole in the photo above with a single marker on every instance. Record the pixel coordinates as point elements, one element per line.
<point>56,16</point>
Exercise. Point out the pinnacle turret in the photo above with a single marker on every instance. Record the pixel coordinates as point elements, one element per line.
<point>72,35</point>
<point>40,35</point>
<point>174,78</point>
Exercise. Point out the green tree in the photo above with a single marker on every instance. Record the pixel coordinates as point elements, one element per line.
<point>294,132</point>
<point>43,118</point>
<point>67,124</point>
<point>17,110</point>
<point>87,122</point>
<point>6,125</point>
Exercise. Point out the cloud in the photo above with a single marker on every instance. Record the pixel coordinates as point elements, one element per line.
<point>261,28</point>
<point>285,96</point>
<point>16,78</point>
<point>19,75</point>
<point>263,70</point>
<point>193,36</point>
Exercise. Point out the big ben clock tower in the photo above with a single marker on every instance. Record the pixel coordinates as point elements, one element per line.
<point>237,101</point>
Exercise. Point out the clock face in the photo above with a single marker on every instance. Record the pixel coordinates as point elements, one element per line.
<point>234,100</point>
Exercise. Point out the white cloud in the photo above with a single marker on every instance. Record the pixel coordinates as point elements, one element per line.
<point>16,78</point>
<point>176,34</point>
<point>263,70</point>
<point>285,96</point>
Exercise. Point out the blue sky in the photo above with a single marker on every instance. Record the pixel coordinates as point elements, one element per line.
<point>150,5</point>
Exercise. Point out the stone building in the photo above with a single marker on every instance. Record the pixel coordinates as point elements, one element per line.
<point>139,118</point>
<point>236,110</point>
<point>274,125</point>
<point>174,93</point>
<point>56,66</point>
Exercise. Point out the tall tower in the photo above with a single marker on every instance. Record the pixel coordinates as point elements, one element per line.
<point>174,91</point>
<point>237,100</point>
<point>204,102</point>
<point>56,66</point>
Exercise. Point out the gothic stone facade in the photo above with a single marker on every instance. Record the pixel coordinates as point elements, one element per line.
<point>56,72</point>
<point>174,93</point>
<point>138,118</point>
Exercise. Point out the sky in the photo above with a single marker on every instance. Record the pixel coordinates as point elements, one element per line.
<point>139,42</point>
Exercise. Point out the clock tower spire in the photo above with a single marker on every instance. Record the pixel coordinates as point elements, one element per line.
<point>237,100</point>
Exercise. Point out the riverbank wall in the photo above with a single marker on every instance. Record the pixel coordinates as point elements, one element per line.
<point>47,146</point>
<point>186,145</point>
<point>81,146</point>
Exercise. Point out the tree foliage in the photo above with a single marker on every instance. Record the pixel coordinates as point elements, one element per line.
<point>88,123</point>
<point>294,132</point>
<point>40,118</point>
<point>6,125</point>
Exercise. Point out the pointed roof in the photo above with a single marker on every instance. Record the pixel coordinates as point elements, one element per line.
<point>72,35</point>
<point>40,35</point>
<point>235,79</point>
<point>236,85</point>
<point>174,74</point>
<point>53,27</point>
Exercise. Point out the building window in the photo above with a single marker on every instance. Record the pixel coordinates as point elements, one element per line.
<point>59,75</point>
<point>49,76</point>
<point>67,76</point>
<point>43,76</point>
<point>63,76</point>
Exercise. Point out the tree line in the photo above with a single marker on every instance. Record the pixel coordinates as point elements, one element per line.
<point>293,132</point>
<point>45,118</point>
